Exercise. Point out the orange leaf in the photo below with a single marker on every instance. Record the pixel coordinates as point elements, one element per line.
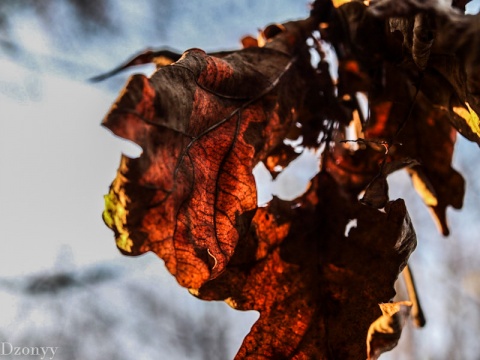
<point>316,286</point>
<point>203,123</point>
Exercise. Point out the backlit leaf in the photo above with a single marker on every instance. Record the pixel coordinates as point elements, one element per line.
<point>317,289</point>
<point>384,333</point>
<point>203,123</point>
<point>317,267</point>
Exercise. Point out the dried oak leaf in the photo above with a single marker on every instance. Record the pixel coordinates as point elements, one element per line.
<point>316,282</point>
<point>436,181</point>
<point>161,58</point>
<point>376,193</point>
<point>313,117</point>
<point>279,158</point>
<point>418,90</point>
<point>203,123</point>
<point>444,43</point>
<point>418,36</point>
<point>426,135</point>
<point>352,169</point>
<point>384,333</point>
<point>322,105</point>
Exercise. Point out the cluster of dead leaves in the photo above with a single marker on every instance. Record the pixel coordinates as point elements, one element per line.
<point>317,267</point>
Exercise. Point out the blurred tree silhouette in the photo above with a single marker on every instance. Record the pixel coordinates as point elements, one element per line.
<point>90,16</point>
<point>76,312</point>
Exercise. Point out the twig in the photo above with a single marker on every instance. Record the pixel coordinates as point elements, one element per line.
<point>417,312</point>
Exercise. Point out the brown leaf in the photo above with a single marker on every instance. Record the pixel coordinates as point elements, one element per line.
<point>384,333</point>
<point>203,123</point>
<point>420,129</point>
<point>435,180</point>
<point>315,268</point>
<point>351,78</point>
<point>352,169</point>
<point>376,193</point>
<point>279,158</point>
<point>317,288</point>
<point>451,63</point>
<point>453,97</point>
<point>430,138</point>
<point>460,4</point>
<point>321,105</point>
<point>249,41</point>
<point>392,8</point>
<point>161,57</point>
<point>422,35</point>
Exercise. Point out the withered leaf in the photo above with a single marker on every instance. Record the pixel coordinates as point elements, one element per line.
<point>352,169</point>
<point>161,57</point>
<point>203,123</point>
<point>422,131</point>
<point>323,286</point>
<point>453,57</point>
<point>436,181</point>
<point>384,333</point>
<point>315,268</point>
<point>249,41</point>
<point>376,193</point>
<point>320,106</point>
<point>279,158</point>
<point>412,26</point>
